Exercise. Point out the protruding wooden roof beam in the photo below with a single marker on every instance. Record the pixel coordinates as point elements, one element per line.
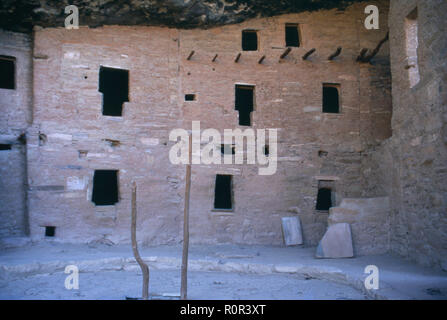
<point>376,49</point>
<point>285,53</point>
<point>190,55</point>
<point>362,55</point>
<point>237,57</point>
<point>335,54</point>
<point>308,53</point>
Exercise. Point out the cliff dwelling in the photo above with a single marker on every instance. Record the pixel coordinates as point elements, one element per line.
<point>359,117</point>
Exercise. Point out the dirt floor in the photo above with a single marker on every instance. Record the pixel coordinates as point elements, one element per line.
<point>164,284</point>
<point>36,271</point>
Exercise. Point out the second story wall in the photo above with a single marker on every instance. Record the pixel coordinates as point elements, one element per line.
<point>71,138</point>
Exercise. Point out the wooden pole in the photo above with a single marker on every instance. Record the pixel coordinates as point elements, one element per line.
<point>184,282</point>
<point>215,57</point>
<point>133,232</point>
<point>262,59</point>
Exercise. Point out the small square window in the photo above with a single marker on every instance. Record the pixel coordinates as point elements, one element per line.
<point>7,72</point>
<point>50,231</point>
<point>190,97</point>
<point>249,40</point>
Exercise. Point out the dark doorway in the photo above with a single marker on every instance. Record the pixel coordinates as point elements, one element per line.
<point>223,193</point>
<point>324,199</point>
<point>244,104</point>
<point>292,35</point>
<point>114,85</point>
<point>105,187</point>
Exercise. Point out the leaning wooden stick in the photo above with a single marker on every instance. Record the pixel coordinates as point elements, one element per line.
<point>184,284</point>
<point>136,254</point>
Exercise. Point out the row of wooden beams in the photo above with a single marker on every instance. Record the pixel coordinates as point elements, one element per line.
<point>363,57</point>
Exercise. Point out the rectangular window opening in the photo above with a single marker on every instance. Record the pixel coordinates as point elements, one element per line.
<point>114,85</point>
<point>7,72</point>
<point>244,103</point>
<point>325,196</point>
<point>412,43</point>
<point>249,40</point>
<point>223,192</point>
<point>292,35</point>
<point>50,231</point>
<point>190,97</point>
<point>4,147</point>
<point>105,187</point>
<point>331,98</point>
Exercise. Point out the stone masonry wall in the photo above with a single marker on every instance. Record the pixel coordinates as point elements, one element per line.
<point>68,138</point>
<point>411,167</point>
<point>15,117</point>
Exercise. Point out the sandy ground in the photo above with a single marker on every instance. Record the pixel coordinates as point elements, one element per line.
<point>36,271</point>
<point>117,285</point>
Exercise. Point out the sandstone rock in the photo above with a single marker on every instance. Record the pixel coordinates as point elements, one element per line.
<point>336,242</point>
<point>291,227</point>
<point>177,13</point>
